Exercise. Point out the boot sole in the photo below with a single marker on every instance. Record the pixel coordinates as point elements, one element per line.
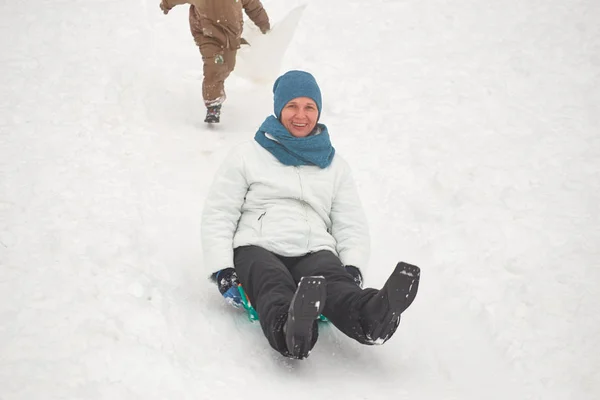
<point>402,289</point>
<point>307,304</point>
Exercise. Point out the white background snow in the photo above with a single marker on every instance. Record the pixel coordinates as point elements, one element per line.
<point>473,128</point>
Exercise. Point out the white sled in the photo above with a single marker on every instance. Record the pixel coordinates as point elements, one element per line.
<point>260,62</point>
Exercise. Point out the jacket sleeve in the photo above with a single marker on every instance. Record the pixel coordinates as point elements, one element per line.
<point>221,213</point>
<point>349,224</point>
<point>172,3</point>
<point>256,12</point>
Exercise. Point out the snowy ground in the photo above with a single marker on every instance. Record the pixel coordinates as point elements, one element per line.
<point>474,132</point>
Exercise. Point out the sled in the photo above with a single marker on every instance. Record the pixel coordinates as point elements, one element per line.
<point>260,61</point>
<point>251,312</point>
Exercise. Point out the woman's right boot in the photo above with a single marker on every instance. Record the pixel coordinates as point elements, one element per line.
<point>307,305</point>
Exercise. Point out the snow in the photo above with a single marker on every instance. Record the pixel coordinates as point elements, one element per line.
<point>473,131</point>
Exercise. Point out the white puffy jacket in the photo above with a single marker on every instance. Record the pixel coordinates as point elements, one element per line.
<point>290,211</point>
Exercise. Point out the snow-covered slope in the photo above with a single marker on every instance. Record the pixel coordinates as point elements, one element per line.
<point>473,131</point>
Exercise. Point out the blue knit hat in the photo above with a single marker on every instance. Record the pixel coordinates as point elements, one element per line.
<point>294,84</point>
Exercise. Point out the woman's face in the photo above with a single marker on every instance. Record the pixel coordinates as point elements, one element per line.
<point>299,116</point>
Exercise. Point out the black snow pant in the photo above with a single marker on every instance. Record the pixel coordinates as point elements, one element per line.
<point>270,282</point>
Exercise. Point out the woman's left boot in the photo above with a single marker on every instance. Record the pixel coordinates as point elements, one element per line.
<point>381,314</point>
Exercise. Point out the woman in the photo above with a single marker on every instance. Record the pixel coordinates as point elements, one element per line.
<point>284,219</point>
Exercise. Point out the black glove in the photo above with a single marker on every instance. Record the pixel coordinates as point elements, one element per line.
<point>225,279</point>
<point>227,282</point>
<point>356,275</point>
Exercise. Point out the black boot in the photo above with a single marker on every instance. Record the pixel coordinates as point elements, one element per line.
<point>213,114</point>
<point>307,304</point>
<point>381,314</point>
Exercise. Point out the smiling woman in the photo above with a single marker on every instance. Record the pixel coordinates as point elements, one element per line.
<point>297,102</point>
<point>300,116</point>
<point>283,219</point>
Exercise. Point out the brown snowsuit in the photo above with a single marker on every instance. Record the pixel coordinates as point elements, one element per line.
<point>216,26</point>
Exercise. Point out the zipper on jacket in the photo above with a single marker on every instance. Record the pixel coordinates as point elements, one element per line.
<point>260,224</point>
<point>304,207</point>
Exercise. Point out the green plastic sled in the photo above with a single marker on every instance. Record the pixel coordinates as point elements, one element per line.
<point>252,314</point>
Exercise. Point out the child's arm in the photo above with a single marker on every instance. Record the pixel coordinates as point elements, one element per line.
<point>255,11</point>
<point>167,5</point>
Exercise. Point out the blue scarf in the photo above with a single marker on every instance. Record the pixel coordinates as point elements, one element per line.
<point>289,150</point>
